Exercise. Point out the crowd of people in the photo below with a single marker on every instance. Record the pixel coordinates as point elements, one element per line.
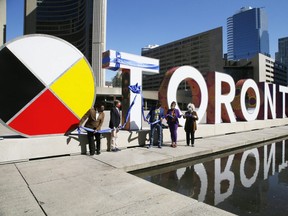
<point>94,119</point>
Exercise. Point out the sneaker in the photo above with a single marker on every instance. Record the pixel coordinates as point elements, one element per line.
<point>159,146</point>
<point>117,149</point>
<point>192,145</point>
<point>114,150</point>
<point>149,146</point>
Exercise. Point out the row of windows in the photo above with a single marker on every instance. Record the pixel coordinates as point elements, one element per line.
<point>60,15</point>
<point>195,51</point>
<point>68,26</point>
<point>61,10</point>
<point>199,44</point>
<point>60,4</point>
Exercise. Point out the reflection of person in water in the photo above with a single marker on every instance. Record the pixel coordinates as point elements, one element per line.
<point>187,182</point>
<point>170,180</point>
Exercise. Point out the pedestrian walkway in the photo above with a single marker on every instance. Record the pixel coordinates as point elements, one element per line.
<point>100,184</point>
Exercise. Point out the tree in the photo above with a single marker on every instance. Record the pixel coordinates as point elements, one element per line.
<point>117,80</point>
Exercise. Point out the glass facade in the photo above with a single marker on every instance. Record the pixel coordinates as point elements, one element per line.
<point>247,34</point>
<point>70,20</point>
<point>282,55</point>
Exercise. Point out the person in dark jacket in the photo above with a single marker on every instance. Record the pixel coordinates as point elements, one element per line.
<point>190,124</point>
<point>114,124</point>
<point>95,117</point>
<point>155,117</point>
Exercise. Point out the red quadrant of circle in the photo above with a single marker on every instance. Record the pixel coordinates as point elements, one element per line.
<point>46,115</point>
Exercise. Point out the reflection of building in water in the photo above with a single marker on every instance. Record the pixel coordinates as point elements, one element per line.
<point>283,177</point>
<point>281,155</point>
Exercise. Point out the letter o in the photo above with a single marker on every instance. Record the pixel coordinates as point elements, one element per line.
<point>180,74</point>
<point>249,83</point>
<point>244,180</point>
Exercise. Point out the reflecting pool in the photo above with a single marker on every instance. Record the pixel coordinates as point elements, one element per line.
<point>251,181</point>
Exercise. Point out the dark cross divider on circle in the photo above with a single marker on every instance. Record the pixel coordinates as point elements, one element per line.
<point>18,85</point>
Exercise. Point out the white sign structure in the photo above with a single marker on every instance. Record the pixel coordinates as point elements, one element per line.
<point>137,65</point>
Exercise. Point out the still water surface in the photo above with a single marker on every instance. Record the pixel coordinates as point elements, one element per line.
<point>247,182</point>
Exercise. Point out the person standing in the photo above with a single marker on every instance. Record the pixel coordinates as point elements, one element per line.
<point>190,124</point>
<point>95,121</point>
<point>114,124</point>
<point>172,119</point>
<point>155,117</point>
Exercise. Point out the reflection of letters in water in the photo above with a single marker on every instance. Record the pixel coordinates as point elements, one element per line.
<point>250,169</point>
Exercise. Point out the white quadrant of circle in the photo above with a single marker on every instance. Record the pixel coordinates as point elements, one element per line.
<point>48,65</point>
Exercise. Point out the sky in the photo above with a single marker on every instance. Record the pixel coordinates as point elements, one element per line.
<point>15,15</point>
<point>134,24</point>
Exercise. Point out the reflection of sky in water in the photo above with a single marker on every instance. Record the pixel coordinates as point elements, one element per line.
<point>253,182</point>
<point>180,172</point>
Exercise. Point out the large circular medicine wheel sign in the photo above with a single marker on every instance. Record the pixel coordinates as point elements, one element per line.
<point>46,85</point>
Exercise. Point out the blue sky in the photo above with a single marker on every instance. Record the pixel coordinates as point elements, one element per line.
<point>133,24</point>
<point>15,16</point>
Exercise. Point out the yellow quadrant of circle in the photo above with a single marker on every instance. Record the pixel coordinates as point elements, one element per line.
<point>76,88</point>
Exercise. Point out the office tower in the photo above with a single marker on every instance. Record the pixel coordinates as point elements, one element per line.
<point>282,54</point>
<point>203,51</point>
<point>2,22</point>
<point>260,68</point>
<point>82,23</point>
<point>247,34</point>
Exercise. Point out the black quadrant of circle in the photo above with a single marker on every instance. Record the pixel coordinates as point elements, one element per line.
<point>18,86</point>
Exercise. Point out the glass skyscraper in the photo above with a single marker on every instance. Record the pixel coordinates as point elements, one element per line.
<point>282,54</point>
<point>247,34</point>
